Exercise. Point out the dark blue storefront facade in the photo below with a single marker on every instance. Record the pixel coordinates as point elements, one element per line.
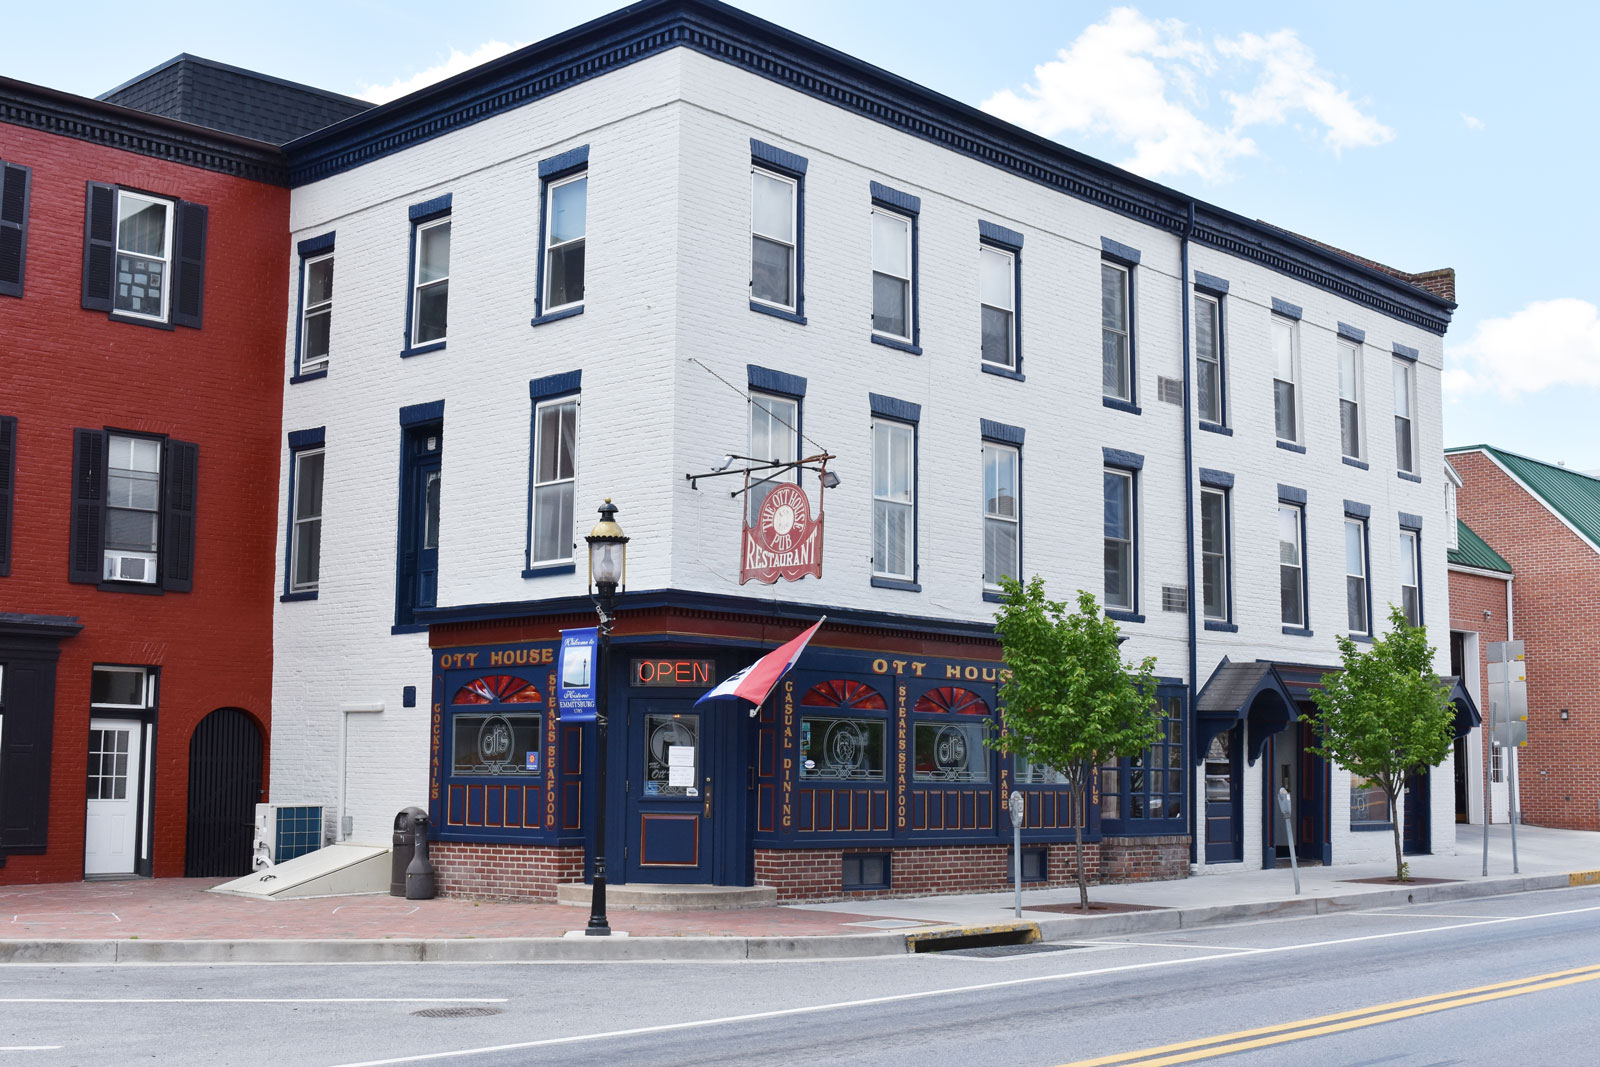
<point>866,771</point>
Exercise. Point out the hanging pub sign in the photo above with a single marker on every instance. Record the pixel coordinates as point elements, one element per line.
<point>575,696</point>
<point>785,541</point>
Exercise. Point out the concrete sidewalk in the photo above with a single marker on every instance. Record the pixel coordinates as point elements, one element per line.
<point>175,920</point>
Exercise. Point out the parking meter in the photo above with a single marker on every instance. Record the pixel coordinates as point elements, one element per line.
<point>1014,806</point>
<point>1288,833</point>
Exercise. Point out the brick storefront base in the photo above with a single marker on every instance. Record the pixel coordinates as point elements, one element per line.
<point>815,874</point>
<point>504,872</point>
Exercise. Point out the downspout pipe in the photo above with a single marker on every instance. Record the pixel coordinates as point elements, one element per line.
<point>1188,510</point>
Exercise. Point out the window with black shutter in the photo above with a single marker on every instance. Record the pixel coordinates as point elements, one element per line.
<point>144,257</point>
<point>133,511</point>
<point>14,186</point>
<point>29,649</point>
<point>8,477</point>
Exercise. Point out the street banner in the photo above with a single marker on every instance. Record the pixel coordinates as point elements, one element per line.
<point>756,681</point>
<point>575,669</point>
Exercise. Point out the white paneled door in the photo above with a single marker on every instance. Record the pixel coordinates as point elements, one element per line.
<point>111,827</point>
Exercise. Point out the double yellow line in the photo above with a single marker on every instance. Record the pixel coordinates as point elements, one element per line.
<point>1263,1037</point>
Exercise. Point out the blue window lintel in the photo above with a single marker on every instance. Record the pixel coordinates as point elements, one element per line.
<point>896,343</point>
<point>1116,404</point>
<point>564,313</point>
<point>895,583</point>
<point>1212,427</point>
<point>777,312</point>
<point>1290,446</point>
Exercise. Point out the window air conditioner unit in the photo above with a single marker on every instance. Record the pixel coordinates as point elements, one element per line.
<point>122,567</point>
<point>284,831</point>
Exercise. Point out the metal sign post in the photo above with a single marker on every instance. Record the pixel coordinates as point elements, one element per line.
<point>1508,691</point>
<point>1014,804</point>
<point>1288,831</point>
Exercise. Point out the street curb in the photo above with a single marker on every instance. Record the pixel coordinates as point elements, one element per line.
<point>726,949</point>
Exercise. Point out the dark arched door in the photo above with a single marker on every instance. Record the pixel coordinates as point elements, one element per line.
<point>224,785</point>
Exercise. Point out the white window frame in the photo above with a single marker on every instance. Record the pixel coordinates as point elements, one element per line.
<point>308,309</point>
<point>166,254</point>
<point>418,285</point>
<point>147,687</point>
<point>758,492</point>
<point>1010,310</point>
<point>152,557</point>
<point>539,409</point>
<point>1364,577</point>
<point>1125,383</point>
<point>1131,541</point>
<point>1293,329</point>
<point>793,244</point>
<point>551,246</point>
<point>909,279</point>
<point>1407,391</point>
<point>895,427</point>
<point>1226,555</point>
<point>297,520</point>
<point>1299,567</point>
<point>1411,560</point>
<point>1215,313</point>
<point>1355,399</point>
<point>988,517</point>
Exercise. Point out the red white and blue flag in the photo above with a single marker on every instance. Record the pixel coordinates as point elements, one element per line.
<point>756,681</point>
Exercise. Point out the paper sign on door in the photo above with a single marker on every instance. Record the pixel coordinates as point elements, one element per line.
<point>680,765</point>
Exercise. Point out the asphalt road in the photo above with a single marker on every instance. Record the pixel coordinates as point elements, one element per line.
<point>1506,981</point>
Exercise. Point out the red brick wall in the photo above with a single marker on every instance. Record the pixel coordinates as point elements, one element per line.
<point>1557,613</point>
<point>219,386</point>
<point>504,872</point>
<point>814,874</point>
<point>1470,596</point>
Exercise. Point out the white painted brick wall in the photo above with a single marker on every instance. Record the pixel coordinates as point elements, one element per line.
<point>667,280</point>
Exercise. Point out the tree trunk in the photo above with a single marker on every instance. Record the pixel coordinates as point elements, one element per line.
<point>1077,829</point>
<point>1394,821</point>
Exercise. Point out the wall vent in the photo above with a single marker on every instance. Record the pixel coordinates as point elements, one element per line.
<point>1174,598</point>
<point>1170,390</point>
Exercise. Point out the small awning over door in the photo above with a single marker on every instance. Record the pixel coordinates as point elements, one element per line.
<point>1251,692</point>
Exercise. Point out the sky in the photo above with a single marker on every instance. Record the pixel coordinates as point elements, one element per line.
<point>1421,135</point>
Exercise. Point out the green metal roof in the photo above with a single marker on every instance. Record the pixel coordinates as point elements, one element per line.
<point>1474,551</point>
<point>1573,496</point>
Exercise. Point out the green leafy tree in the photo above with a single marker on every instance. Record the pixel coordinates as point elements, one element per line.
<point>1071,703</point>
<point>1386,713</point>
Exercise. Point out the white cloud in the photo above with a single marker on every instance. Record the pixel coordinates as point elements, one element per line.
<point>1142,82</point>
<point>1473,122</point>
<point>1548,343</point>
<point>457,62</point>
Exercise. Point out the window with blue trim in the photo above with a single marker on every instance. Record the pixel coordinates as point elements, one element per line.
<point>1410,576</point>
<point>775,221</point>
<point>1286,379</point>
<point>893,277</point>
<point>1116,331</point>
<point>305,519</point>
<point>566,227</point>
<point>555,475</point>
<point>1120,543</point>
<point>1291,565</point>
<point>774,438</point>
<point>428,296</point>
<point>315,327</point>
<point>1002,513</point>
<point>1404,434</point>
<point>1357,603</point>
<point>1145,793</point>
<point>894,504</point>
<point>1350,399</point>
<point>1215,563</point>
<point>1208,354</point>
<point>997,290</point>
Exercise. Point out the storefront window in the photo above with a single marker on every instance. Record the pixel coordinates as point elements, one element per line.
<point>1368,805</point>
<point>842,749</point>
<point>1149,787</point>
<point>1029,773</point>
<point>950,752</point>
<point>497,744</point>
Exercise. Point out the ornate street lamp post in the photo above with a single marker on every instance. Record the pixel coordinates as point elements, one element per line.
<point>608,556</point>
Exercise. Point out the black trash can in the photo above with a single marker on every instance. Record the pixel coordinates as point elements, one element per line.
<point>405,847</point>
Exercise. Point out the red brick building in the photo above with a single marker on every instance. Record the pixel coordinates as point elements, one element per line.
<point>1543,522</point>
<point>141,349</point>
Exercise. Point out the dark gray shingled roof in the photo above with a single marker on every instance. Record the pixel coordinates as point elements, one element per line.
<point>233,100</point>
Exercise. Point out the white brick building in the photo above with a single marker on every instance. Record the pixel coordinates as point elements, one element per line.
<point>674,114</point>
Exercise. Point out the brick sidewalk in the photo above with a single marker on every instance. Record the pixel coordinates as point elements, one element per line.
<point>179,908</point>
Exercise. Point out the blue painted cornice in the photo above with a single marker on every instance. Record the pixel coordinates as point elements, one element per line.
<point>770,51</point>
